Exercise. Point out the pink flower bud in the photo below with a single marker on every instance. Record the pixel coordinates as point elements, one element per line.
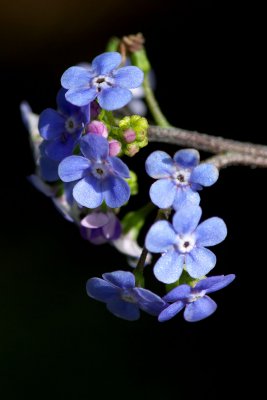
<point>129,136</point>
<point>114,147</point>
<point>98,128</point>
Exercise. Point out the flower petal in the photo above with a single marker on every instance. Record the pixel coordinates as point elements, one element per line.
<point>51,124</point>
<point>160,237</point>
<point>116,191</point>
<point>211,232</point>
<point>81,96</point>
<point>199,309</point>
<point>48,169</point>
<point>199,262</point>
<point>58,149</point>
<point>73,168</point>
<point>180,292</point>
<point>122,279</point>
<point>95,220</point>
<point>76,77</point>
<point>119,167</point>
<point>112,230</point>
<point>114,98</point>
<point>185,196</point>
<point>169,267</point>
<point>159,165</point>
<point>106,62</point>
<point>124,310</point>
<point>187,158</point>
<point>162,193</point>
<point>101,290</point>
<point>171,311</point>
<point>63,105</point>
<point>149,301</point>
<point>186,219</point>
<point>204,174</point>
<point>129,77</point>
<point>88,192</point>
<point>94,147</point>
<point>214,283</point>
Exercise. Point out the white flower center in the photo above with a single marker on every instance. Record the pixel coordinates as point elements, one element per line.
<point>186,243</point>
<point>102,82</point>
<point>195,296</point>
<point>126,296</point>
<point>99,170</point>
<point>181,176</point>
<point>70,125</point>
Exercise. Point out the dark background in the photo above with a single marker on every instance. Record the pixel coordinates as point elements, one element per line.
<point>54,340</point>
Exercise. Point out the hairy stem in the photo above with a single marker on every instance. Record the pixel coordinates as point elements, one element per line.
<point>227,159</point>
<point>204,142</point>
<point>153,104</point>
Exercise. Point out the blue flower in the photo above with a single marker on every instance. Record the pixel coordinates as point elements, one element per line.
<point>48,168</point>
<point>195,300</point>
<point>183,244</point>
<point>123,299</point>
<point>178,178</point>
<point>104,81</point>
<point>62,129</point>
<point>100,177</point>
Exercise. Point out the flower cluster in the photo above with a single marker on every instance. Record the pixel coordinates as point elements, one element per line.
<point>78,149</point>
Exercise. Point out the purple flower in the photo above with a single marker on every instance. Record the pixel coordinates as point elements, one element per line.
<point>100,177</point>
<point>184,244</point>
<point>99,227</point>
<point>123,299</point>
<point>104,81</point>
<point>195,300</point>
<point>179,177</point>
<point>62,129</point>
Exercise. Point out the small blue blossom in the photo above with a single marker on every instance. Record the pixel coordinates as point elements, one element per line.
<point>100,177</point>
<point>184,244</point>
<point>124,300</point>
<point>179,178</point>
<point>48,168</point>
<point>99,227</point>
<point>195,300</point>
<point>62,129</point>
<point>104,81</point>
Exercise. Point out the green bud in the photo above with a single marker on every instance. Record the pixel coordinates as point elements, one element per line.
<point>133,183</point>
<point>137,123</point>
<point>140,60</point>
<point>113,44</point>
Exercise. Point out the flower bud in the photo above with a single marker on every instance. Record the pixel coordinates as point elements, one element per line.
<point>114,147</point>
<point>98,128</point>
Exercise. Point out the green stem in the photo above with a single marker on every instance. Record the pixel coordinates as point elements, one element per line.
<point>153,104</point>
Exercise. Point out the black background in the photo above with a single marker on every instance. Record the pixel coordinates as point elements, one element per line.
<point>54,340</point>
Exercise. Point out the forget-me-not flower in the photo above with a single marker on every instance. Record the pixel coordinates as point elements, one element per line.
<point>104,81</point>
<point>179,178</point>
<point>99,227</point>
<point>124,300</point>
<point>100,177</point>
<point>62,129</point>
<point>195,300</point>
<point>183,243</point>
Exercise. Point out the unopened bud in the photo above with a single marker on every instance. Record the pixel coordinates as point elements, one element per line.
<point>114,147</point>
<point>98,128</point>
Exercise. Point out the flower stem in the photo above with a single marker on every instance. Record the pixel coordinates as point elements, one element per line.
<point>229,152</point>
<point>153,104</point>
